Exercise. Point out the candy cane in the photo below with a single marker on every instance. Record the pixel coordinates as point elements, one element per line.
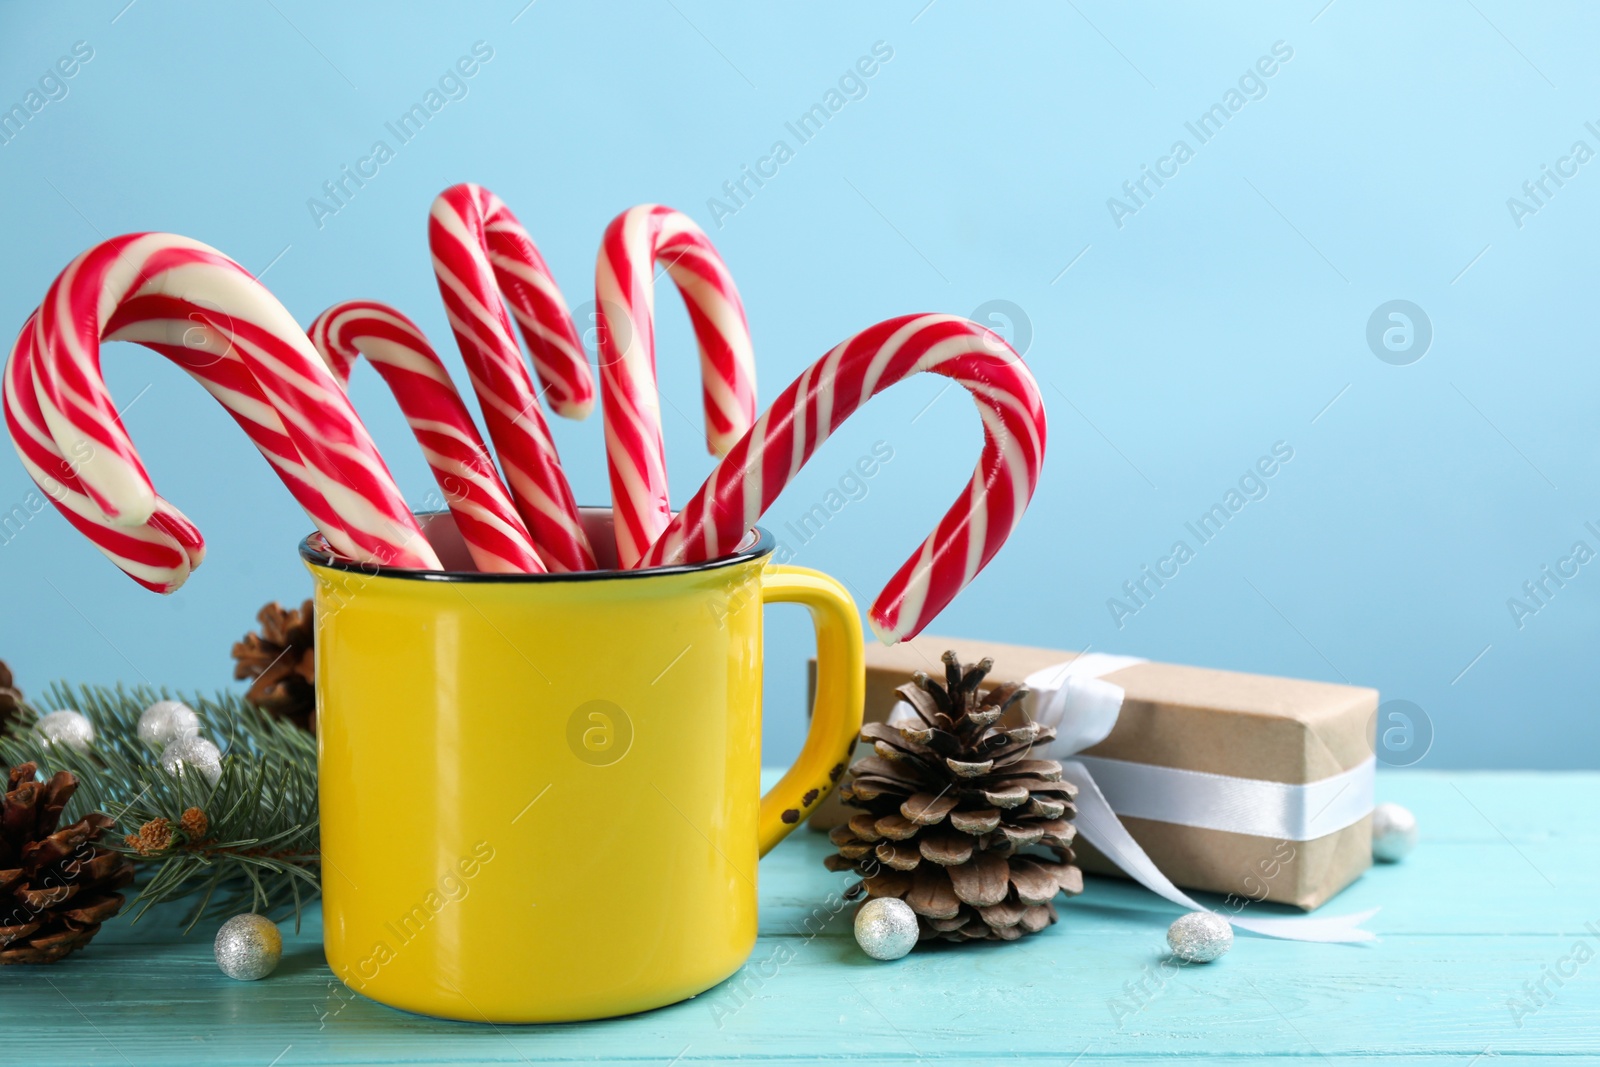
<point>484,513</point>
<point>481,252</point>
<point>158,555</point>
<point>767,458</point>
<point>625,294</point>
<point>161,553</point>
<point>370,521</point>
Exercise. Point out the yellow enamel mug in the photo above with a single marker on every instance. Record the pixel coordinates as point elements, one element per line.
<point>540,793</point>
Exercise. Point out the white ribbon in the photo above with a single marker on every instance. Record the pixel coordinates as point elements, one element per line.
<point>1076,699</point>
<point>1237,805</point>
<point>1100,827</point>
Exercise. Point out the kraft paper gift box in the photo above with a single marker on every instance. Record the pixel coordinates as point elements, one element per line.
<point>1243,726</point>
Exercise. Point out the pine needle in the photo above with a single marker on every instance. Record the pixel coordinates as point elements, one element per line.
<point>260,851</point>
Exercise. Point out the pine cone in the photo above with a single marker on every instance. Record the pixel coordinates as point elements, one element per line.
<point>10,699</point>
<point>952,800</point>
<point>56,886</point>
<point>281,660</point>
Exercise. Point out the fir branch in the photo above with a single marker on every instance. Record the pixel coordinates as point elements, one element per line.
<point>259,850</point>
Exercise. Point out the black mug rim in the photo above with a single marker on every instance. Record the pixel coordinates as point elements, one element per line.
<point>764,545</point>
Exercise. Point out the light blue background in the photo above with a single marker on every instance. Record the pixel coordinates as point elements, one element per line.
<point>1221,318</point>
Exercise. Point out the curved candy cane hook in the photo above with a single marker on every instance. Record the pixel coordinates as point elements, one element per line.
<point>634,243</point>
<point>767,458</point>
<point>159,554</point>
<point>356,504</point>
<point>481,253</point>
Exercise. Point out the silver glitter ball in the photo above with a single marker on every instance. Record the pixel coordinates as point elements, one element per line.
<point>1394,833</point>
<point>886,928</point>
<point>167,721</point>
<point>68,728</point>
<point>193,754</point>
<point>249,947</point>
<point>1200,937</point>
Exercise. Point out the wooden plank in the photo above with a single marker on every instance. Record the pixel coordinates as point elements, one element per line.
<point>1467,921</point>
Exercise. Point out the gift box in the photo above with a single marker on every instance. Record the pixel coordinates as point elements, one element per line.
<point>1226,780</point>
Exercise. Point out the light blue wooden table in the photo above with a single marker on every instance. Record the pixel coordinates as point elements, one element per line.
<point>1501,894</point>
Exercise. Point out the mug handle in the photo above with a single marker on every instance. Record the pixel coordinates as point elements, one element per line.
<point>841,692</point>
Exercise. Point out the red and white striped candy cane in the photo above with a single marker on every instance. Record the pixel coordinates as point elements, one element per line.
<point>752,475</point>
<point>488,521</point>
<point>161,553</point>
<point>158,555</point>
<point>481,252</point>
<point>370,521</point>
<point>634,243</point>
